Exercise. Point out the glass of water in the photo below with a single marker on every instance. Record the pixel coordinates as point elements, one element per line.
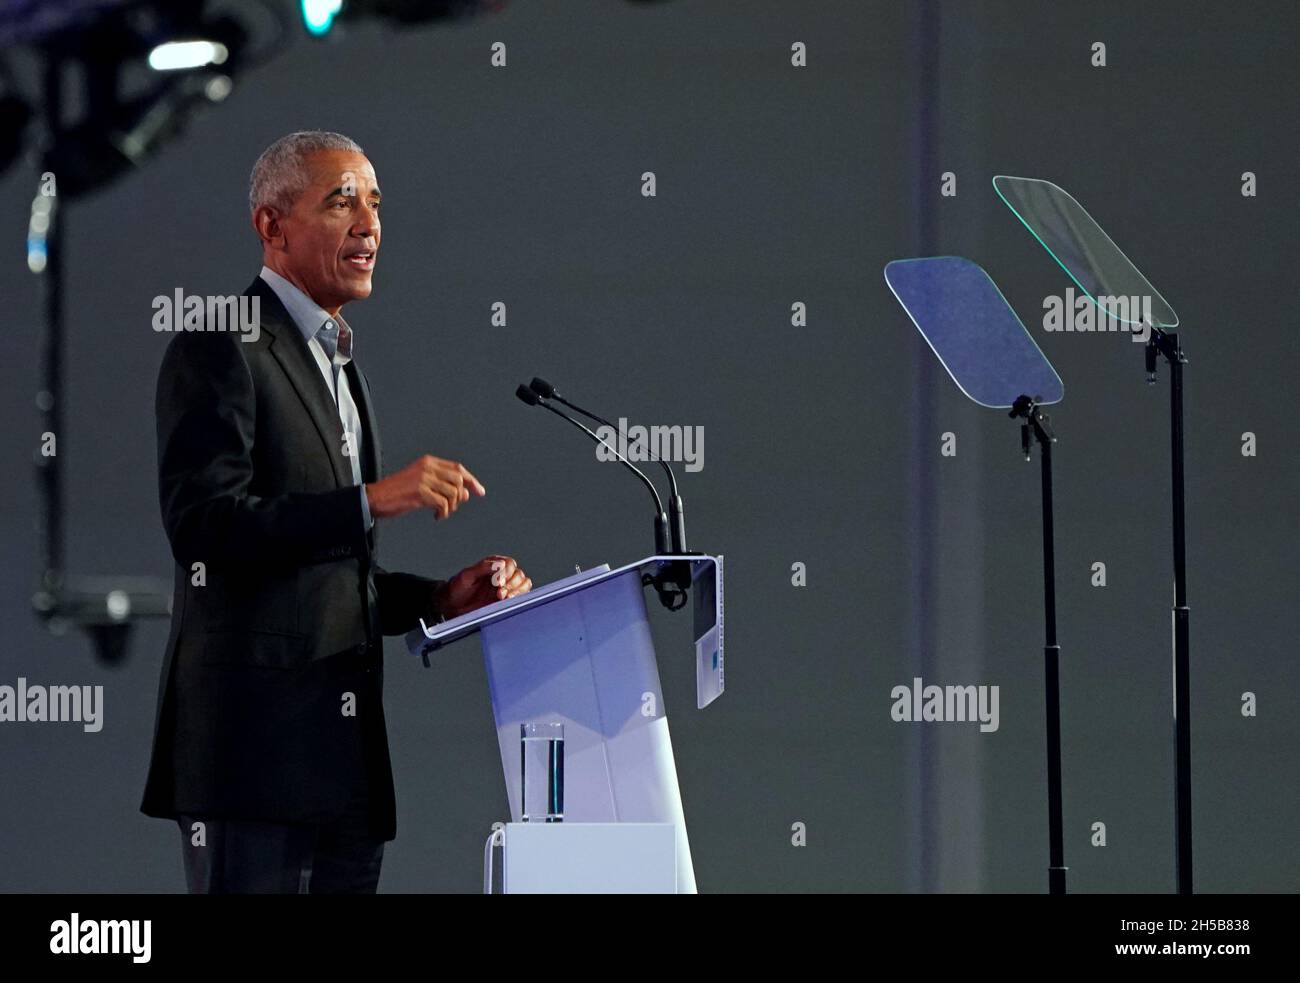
<point>541,757</point>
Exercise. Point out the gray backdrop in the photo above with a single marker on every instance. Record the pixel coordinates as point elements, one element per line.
<point>775,185</point>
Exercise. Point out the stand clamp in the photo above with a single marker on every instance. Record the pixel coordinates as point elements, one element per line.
<point>1036,421</point>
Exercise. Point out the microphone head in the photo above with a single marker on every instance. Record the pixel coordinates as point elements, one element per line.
<point>527,395</point>
<point>543,388</point>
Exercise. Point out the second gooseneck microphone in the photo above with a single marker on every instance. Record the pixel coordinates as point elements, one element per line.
<point>663,542</point>
<point>676,508</point>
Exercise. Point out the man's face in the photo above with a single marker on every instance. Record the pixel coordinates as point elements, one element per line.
<point>328,244</point>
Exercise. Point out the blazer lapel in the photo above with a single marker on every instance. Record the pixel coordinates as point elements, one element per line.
<point>287,346</point>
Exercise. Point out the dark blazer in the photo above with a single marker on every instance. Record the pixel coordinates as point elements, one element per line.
<point>286,613</point>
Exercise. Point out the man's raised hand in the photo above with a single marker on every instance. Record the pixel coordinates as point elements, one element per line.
<point>427,482</point>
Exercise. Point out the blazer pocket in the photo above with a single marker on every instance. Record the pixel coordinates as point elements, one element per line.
<point>243,647</point>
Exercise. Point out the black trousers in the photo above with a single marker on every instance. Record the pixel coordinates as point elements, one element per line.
<point>237,856</point>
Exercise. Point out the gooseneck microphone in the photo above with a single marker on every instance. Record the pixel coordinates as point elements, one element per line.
<point>662,543</point>
<point>677,509</point>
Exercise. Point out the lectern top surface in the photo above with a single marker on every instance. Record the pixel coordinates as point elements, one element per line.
<point>1083,249</point>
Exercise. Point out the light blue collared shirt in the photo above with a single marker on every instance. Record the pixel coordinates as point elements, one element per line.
<point>330,340</point>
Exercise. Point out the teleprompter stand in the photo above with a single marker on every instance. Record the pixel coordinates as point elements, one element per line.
<point>1037,428</point>
<point>1097,265</point>
<point>984,346</point>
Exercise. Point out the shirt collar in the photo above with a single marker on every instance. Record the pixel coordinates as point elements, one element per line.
<point>310,318</point>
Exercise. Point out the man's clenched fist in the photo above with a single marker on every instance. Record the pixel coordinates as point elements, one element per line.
<point>426,483</point>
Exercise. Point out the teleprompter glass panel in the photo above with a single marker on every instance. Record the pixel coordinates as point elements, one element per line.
<point>1084,251</point>
<point>964,318</point>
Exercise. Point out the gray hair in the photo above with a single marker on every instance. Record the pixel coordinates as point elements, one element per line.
<point>280,174</point>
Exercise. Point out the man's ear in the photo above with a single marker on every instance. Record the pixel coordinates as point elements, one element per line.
<point>266,223</point>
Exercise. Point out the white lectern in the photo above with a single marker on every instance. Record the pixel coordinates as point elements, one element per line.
<point>579,651</point>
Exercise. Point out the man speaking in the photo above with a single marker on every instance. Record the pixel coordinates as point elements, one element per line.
<point>270,748</point>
